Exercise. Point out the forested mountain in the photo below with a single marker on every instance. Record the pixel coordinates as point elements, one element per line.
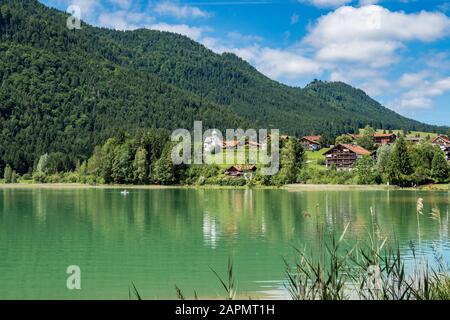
<point>69,90</point>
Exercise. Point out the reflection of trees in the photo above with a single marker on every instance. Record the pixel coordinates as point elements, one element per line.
<point>154,233</point>
<point>274,215</point>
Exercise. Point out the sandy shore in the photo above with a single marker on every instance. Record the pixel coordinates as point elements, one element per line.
<point>78,186</point>
<point>324,187</point>
<point>343,187</point>
<point>121,187</point>
<point>289,187</point>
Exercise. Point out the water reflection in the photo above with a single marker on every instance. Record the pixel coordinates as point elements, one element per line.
<point>158,238</point>
<point>210,231</point>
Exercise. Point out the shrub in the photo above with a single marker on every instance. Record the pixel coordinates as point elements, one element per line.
<point>39,177</point>
<point>26,176</point>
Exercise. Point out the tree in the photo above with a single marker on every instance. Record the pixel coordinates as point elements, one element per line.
<point>422,154</point>
<point>291,161</point>
<point>399,167</point>
<point>140,166</point>
<point>8,174</point>
<point>42,166</point>
<point>326,140</point>
<point>439,168</point>
<point>383,155</point>
<point>344,139</point>
<point>366,139</point>
<point>121,171</point>
<point>364,168</point>
<point>58,162</point>
<point>163,169</point>
<point>106,158</point>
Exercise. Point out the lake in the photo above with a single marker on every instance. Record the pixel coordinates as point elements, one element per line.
<point>159,238</point>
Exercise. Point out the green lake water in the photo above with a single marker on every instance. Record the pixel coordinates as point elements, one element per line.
<point>160,238</point>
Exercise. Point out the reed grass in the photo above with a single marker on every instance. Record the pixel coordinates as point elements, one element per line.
<point>374,270</point>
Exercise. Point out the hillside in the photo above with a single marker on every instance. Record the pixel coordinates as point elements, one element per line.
<point>68,90</point>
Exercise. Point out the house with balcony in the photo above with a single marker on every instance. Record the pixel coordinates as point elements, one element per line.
<point>344,156</point>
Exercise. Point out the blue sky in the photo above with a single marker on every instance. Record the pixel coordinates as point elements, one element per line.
<point>398,51</point>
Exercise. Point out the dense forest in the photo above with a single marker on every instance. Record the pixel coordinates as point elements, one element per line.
<point>67,91</point>
<point>145,158</point>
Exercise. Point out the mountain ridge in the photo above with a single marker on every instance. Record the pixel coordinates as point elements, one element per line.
<point>69,90</point>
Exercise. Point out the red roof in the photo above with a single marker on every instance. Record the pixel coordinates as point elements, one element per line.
<point>314,139</point>
<point>242,167</point>
<point>383,135</point>
<point>230,144</point>
<point>375,135</point>
<point>356,149</point>
<point>253,144</point>
<point>446,139</point>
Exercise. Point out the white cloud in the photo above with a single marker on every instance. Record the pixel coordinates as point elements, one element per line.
<point>416,103</point>
<point>179,11</point>
<point>274,63</point>
<point>327,3</point>
<point>88,7</point>
<point>124,20</point>
<point>195,33</point>
<point>410,80</point>
<point>421,94</point>
<point>372,81</point>
<point>238,37</point>
<point>295,18</point>
<point>280,63</point>
<point>375,53</point>
<point>372,34</point>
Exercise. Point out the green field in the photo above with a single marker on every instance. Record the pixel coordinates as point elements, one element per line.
<point>312,158</point>
<point>229,157</point>
<point>412,134</point>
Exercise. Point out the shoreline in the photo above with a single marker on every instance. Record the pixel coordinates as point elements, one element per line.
<point>288,187</point>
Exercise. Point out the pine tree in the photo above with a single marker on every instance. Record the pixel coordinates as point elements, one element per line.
<point>399,168</point>
<point>163,169</point>
<point>439,168</point>
<point>291,160</point>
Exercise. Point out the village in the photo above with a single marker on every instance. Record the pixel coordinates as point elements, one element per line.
<point>341,156</point>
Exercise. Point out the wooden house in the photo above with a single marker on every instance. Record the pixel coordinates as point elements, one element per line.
<point>383,139</point>
<point>443,142</point>
<point>231,144</point>
<point>344,156</point>
<point>239,170</point>
<point>238,144</point>
<point>311,143</point>
<point>380,139</point>
<point>413,140</point>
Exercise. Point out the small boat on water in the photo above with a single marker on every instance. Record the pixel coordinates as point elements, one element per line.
<point>124,192</point>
